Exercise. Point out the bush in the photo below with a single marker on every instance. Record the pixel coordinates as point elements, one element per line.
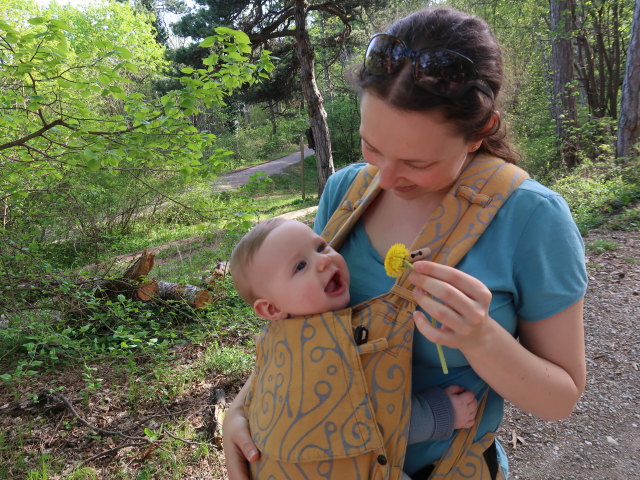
<point>596,191</point>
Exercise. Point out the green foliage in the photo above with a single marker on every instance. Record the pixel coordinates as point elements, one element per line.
<point>86,146</point>
<point>253,144</point>
<point>597,190</point>
<point>344,122</point>
<point>83,325</point>
<point>600,246</point>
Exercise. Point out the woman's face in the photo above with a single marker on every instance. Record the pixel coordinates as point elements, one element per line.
<point>418,153</point>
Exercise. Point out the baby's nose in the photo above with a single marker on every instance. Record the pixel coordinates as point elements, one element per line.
<point>323,262</point>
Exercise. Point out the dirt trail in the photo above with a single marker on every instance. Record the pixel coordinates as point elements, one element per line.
<point>232,180</point>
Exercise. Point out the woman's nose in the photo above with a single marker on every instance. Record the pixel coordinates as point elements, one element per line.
<point>387,175</point>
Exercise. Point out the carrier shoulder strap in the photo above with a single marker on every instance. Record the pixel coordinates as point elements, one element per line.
<point>456,224</point>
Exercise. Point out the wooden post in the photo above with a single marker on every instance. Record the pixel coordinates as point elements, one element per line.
<point>302,164</point>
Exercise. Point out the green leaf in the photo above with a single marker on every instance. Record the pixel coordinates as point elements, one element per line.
<point>210,60</point>
<point>130,67</point>
<point>187,70</point>
<point>36,20</point>
<point>123,52</point>
<point>60,24</point>
<point>207,42</point>
<point>6,377</point>
<point>104,79</point>
<point>64,83</point>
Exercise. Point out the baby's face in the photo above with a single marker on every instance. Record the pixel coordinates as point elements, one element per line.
<point>298,272</point>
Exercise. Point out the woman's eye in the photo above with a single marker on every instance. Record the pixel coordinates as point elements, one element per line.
<point>300,266</point>
<point>419,166</point>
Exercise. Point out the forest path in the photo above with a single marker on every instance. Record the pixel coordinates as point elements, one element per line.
<point>233,180</point>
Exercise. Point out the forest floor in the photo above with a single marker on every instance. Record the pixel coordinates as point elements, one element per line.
<point>600,440</point>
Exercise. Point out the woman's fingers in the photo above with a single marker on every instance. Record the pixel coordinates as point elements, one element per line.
<point>456,300</point>
<point>449,281</point>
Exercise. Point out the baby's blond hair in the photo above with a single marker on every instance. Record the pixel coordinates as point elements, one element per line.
<point>243,253</point>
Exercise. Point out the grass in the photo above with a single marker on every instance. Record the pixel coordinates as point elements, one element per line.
<point>601,246</point>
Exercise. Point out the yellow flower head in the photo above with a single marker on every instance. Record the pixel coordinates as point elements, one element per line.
<point>396,259</point>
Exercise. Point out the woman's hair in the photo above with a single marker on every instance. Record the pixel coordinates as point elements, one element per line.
<point>463,33</point>
<point>243,253</point>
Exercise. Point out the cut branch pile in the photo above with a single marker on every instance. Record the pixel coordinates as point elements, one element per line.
<point>135,284</point>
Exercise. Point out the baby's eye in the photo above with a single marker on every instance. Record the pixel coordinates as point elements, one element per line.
<point>322,247</point>
<point>300,266</point>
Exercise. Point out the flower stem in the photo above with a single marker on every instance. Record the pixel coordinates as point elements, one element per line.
<point>443,362</point>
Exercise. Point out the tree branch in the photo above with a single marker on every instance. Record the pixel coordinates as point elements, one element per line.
<point>37,133</point>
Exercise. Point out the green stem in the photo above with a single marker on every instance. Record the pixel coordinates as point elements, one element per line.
<point>443,362</point>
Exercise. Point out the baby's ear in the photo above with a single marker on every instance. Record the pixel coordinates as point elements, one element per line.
<point>268,310</point>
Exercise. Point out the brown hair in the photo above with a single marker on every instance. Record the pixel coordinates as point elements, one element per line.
<point>243,253</point>
<point>465,34</point>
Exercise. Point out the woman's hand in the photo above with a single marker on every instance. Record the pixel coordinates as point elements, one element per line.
<point>462,309</point>
<point>543,373</point>
<point>237,442</point>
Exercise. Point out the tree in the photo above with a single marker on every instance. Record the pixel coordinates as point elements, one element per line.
<point>629,120</point>
<point>564,107</point>
<point>74,109</point>
<point>600,30</point>
<point>265,20</point>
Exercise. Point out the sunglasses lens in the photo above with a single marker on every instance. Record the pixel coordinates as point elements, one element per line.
<point>444,72</point>
<point>385,54</point>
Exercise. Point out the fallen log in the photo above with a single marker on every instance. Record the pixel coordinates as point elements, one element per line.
<point>195,297</point>
<point>112,287</point>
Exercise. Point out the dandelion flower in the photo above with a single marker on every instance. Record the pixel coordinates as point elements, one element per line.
<point>396,260</point>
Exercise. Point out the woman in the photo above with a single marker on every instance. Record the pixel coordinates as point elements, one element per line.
<point>428,89</point>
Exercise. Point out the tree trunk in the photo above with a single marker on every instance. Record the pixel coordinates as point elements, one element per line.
<point>112,287</point>
<point>141,267</point>
<point>272,119</point>
<point>312,96</point>
<point>629,120</point>
<point>564,105</point>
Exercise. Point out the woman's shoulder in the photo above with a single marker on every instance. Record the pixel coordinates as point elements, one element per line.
<point>342,178</point>
<point>531,196</point>
<point>334,190</point>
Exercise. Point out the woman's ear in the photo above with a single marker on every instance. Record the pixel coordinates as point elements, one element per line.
<point>491,127</point>
<point>268,310</point>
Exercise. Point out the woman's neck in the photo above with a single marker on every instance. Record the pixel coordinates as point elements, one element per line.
<point>392,219</point>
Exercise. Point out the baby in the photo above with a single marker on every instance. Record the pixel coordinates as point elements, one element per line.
<point>283,269</point>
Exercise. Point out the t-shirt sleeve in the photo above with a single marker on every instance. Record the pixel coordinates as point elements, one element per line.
<point>549,264</point>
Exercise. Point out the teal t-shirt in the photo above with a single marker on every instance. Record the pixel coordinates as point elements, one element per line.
<point>531,257</point>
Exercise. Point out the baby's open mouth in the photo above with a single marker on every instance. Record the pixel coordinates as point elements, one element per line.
<point>335,285</point>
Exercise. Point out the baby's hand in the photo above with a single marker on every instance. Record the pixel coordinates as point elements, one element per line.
<point>464,404</point>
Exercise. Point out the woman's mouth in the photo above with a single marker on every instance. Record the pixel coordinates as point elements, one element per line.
<point>404,189</point>
<point>335,286</point>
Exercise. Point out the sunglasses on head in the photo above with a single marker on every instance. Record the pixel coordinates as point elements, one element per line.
<point>440,71</point>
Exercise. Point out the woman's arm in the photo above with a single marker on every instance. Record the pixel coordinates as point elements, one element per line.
<point>238,445</point>
<point>544,374</point>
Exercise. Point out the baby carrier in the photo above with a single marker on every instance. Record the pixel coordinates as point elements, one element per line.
<point>331,393</point>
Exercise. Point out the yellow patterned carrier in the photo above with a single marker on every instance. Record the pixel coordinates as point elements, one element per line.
<point>331,393</point>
